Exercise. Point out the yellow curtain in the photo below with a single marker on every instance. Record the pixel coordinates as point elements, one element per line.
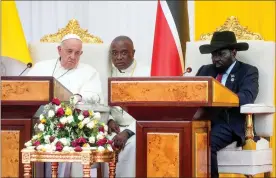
<point>13,43</point>
<point>258,16</point>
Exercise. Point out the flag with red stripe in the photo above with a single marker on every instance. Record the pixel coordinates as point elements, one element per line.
<point>167,56</point>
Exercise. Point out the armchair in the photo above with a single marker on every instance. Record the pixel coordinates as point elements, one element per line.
<point>95,53</point>
<point>253,158</point>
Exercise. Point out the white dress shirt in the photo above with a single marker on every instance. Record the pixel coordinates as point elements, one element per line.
<point>226,74</point>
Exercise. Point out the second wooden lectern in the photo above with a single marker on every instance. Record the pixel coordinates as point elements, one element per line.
<point>170,142</point>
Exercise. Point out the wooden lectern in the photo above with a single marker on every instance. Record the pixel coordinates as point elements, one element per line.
<point>169,142</point>
<point>21,97</point>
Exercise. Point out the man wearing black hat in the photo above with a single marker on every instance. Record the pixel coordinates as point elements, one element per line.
<point>228,125</point>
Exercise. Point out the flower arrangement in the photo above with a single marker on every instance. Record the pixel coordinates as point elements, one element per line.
<point>65,128</point>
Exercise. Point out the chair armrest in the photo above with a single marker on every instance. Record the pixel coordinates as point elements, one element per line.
<point>257,109</point>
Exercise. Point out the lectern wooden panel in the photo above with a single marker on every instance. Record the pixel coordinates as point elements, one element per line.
<point>20,99</point>
<point>170,142</point>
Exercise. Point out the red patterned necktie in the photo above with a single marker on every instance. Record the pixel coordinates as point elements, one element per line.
<point>219,77</point>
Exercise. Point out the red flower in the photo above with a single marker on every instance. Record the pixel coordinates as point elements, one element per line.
<point>36,143</point>
<point>101,129</point>
<point>59,143</point>
<point>56,101</point>
<point>60,126</point>
<point>59,147</point>
<point>78,149</point>
<point>102,142</point>
<point>81,141</point>
<point>52,138</point>
<point>74,143</point>
<point>85,114</point>
<point>60,112</point>
<point>78,111</point>
<point>109,142</point>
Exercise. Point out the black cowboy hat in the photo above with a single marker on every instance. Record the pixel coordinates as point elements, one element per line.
<point>223,40</point>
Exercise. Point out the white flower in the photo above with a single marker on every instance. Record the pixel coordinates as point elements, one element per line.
<point>64,141</point>
<point>53,147</point>
<point>51,113</point>
<point>70,119</point>
<point>67,149</point>
<point>54,142</point>
<point>48,147</point>
<point>29,143</point>
<point>97,115</point>
<point>63,120</point>
<point>47,138</point>
<point>41,127</point>
<point>90,125</point>
<point>92,139</point>
<point>100,136</point>
<point>80,117</point>
<point>86,120</point>
<point>57,107</point>
<point>109,147</point>
<point>41,116</point>
<point>40,147</point>
<point>101,148</point>
<point>105,128</point>
<point>34,137</point>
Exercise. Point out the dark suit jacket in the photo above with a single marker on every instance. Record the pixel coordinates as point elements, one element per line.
<point>245,85</point>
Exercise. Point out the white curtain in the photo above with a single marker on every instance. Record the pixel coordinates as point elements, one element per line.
<point>106,19</point>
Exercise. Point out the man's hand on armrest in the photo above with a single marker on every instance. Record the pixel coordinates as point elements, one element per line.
<point>121,138</point>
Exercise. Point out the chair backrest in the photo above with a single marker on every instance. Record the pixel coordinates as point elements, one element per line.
<point>261,54</point>
<point>95,53</point>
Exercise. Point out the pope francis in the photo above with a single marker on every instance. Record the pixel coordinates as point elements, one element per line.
<point>77,77</point>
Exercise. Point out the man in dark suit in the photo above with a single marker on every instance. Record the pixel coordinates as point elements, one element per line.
<point>228,124</point>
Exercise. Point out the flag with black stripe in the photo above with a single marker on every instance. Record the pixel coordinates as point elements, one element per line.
<point>171,34</point>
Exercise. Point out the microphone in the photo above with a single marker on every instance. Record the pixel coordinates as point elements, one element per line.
<point>29,65</point>
<point>188,70</point>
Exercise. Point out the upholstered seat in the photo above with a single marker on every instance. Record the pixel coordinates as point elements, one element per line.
<point>234,159</point>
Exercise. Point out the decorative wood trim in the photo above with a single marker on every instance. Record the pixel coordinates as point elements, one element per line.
<point>232,24</point>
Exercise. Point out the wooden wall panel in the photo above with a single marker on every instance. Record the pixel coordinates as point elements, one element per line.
<point>14,133</point>
<point>16,90</point>
<point>10,153</point>
<point>163,154</point>
<point>175,91</point>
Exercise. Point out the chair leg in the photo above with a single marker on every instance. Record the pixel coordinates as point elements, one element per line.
<point>267,175</point>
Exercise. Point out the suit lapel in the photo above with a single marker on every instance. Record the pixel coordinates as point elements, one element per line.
<point>212,72</point>
<point>232,77</point>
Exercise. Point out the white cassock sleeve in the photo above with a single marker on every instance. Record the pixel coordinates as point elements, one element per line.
<point>117,115</point>
<point>92,89</point>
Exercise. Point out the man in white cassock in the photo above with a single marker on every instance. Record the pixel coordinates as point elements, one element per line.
<point>122,126</point>
<point>77,77</point>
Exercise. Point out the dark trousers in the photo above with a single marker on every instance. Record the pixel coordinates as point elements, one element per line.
<point>221,136</point>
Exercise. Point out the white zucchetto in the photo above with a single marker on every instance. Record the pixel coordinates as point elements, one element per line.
<point>70,36</point>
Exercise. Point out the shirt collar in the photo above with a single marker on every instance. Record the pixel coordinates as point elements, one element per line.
<point>130,68</point>
<point>230,68</point>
